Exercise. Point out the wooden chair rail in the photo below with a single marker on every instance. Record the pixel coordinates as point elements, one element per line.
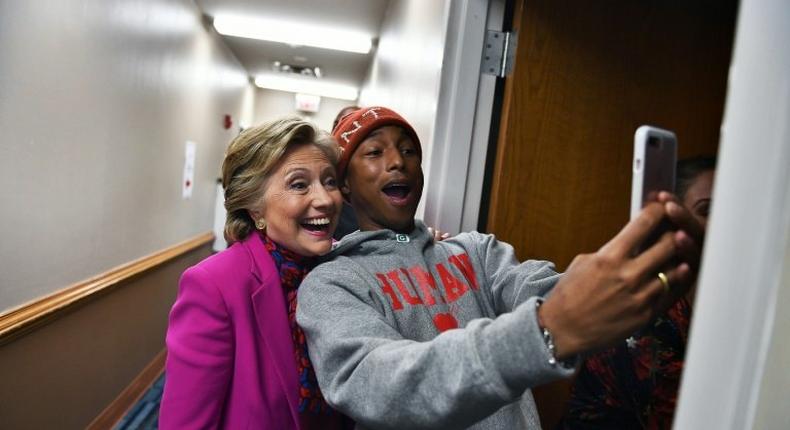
<point>17,321</point>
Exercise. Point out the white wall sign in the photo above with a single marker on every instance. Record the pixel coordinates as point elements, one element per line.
<point>307,102</point>
<point>188,181</point>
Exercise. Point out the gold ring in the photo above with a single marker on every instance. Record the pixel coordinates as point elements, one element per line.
<point>664,281</point>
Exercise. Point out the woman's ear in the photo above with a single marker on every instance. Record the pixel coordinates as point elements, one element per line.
<point>345,191</point>
<point>344,188</point>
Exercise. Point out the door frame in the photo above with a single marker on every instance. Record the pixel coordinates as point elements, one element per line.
<point>460,146</point>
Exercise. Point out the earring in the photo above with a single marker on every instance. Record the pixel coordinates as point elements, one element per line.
<point>260,224</point>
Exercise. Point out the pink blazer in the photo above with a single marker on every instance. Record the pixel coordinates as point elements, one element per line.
<point>230,357</point>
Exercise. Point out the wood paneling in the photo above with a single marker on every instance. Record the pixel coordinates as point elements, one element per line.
<point>63,374</point>
<point>587,74</point>
<point>111,415</point>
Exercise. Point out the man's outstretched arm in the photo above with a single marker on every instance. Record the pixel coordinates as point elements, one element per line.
<point>368,371</point>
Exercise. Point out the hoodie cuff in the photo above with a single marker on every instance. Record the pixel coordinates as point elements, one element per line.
<point>521,358</point>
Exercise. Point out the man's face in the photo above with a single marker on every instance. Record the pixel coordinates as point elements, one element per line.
<point>384,180</point>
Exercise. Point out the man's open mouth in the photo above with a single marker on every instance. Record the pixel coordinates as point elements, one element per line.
<point>397,190</point>
<point>316,224</point>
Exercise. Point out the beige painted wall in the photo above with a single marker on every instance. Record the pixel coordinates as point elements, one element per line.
<point>407,67</point>
<point>271,104</point>
<point>97,99</point>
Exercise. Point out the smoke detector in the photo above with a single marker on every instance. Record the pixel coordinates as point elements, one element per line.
<point>312,71</point>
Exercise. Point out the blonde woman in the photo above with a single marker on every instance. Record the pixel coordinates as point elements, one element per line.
<point>236,357</point>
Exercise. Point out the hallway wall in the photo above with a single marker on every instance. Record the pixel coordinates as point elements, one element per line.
<point>97,99</point>
<point>272,104</point>
<point>407,68</point>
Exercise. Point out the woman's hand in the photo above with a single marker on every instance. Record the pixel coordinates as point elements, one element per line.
<point>438,235</point>
<point>606,296</point>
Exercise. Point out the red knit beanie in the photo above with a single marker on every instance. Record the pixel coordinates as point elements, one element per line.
<point>356,126</point>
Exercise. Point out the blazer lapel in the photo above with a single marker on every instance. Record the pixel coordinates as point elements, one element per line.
<point>268,303</point>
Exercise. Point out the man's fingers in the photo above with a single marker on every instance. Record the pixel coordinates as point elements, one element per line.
<point>655,257</point>
<point>684,220</point>
<point>688,249</point>
<point>666,196</point>
<point>681,216</point>
<point>660,296</point>
<point>636,231</point>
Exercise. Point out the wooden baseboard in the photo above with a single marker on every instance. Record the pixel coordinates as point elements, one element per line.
<point>122,404</point>
<point>18,321</point>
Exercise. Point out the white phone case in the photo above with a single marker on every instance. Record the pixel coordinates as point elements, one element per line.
<point>655,156</point>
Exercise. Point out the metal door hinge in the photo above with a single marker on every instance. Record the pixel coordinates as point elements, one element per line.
<point>499,51</point>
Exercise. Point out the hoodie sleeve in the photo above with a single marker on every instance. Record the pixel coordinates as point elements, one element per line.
<point>511,282</point>
<point>368,371</point>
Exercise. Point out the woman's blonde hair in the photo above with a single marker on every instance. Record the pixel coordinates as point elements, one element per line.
<point>252,156</point>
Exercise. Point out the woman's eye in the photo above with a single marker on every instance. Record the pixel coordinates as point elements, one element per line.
<point>331,182</point>
<point>298,185</point>
<point>373,152</point>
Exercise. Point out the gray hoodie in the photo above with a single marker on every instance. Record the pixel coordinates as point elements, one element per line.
<point>408,333</point>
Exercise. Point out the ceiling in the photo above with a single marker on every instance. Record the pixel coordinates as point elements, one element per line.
<point>257,56</point>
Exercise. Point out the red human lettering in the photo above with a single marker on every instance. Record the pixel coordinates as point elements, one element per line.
<point>462,262</point>
<point>453,287</point>
<point>412,300</point>
<point>425,282</point>
<point>386,288</point>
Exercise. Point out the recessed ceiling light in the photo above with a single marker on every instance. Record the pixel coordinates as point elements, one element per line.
<point>292,33</point>
<point>307,86</point>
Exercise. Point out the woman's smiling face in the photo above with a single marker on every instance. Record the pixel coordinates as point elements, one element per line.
<point>301,201</point>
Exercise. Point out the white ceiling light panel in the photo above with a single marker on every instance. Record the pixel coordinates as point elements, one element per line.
<point>293,33</point>
<point>307,86</point>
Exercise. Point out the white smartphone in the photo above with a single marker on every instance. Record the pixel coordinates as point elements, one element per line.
<point>655,156</point>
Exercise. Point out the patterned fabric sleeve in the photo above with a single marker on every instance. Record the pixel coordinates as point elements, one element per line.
<point>635,384</point>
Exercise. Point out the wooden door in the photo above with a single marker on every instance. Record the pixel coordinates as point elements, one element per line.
<point>587,74</point>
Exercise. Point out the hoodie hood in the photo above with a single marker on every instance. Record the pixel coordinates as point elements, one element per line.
<point>366,242</point>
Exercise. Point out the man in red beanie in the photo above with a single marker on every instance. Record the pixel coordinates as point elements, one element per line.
<point>406,332</point>
<point>376,127</point>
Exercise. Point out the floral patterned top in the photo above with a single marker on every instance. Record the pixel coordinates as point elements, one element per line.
<point>635,384</point>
